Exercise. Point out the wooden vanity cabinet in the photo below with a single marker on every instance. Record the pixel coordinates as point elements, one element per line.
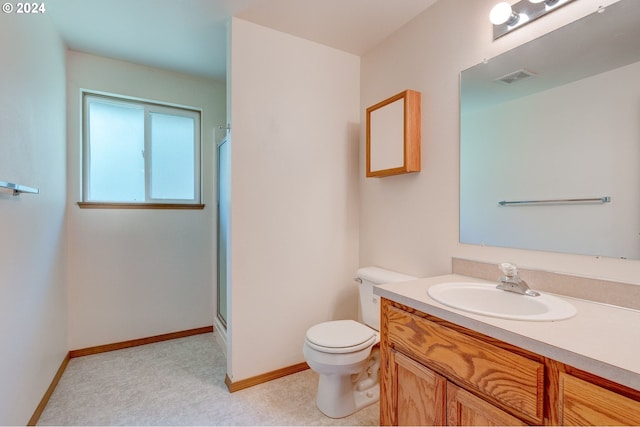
<point>433,374</point>
<point>436,373</point>
<point>422,397</point>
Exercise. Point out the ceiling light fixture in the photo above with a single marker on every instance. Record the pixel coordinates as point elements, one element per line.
<point>506,18</point>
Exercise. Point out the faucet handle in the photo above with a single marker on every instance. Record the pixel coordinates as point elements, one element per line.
<point>509,270</point>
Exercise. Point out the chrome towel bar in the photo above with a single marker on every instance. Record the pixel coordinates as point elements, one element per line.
<point>604,199</point>
<point>18,189</point>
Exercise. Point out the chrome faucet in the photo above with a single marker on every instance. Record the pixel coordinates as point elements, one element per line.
<point>512,282</point>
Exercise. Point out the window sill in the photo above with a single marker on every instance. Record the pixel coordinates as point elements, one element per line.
<point>102,205</point>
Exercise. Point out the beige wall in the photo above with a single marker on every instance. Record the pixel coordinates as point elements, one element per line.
<point>33,299</point>
<point>410,223</point>
<point>294,220</point>
<point>139,273</point>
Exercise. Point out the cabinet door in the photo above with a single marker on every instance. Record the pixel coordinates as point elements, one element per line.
<point>466,409</point>
<point>418,393</point>
<point>583,403</point>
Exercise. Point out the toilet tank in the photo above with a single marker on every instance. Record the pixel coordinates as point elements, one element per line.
<point>368,278</point>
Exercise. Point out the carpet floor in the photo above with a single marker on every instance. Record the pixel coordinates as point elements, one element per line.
<point>181,382</point>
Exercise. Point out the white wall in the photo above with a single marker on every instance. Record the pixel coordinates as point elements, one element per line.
<point>139,273</point>
<point>410,223</point>
<point>294,227</point>
<point>33,301</point>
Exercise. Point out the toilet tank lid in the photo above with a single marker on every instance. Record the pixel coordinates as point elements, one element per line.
<point>380,275</point>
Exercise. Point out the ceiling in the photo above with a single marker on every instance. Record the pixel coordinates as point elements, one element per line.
<point>189,36</point>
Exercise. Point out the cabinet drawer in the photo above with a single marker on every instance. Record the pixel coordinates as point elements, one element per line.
<point>582,403</point>
<point>507,378</point>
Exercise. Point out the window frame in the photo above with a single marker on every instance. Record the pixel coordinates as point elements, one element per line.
<point>149,107</point>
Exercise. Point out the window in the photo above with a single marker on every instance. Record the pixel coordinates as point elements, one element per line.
<point>140,152</point>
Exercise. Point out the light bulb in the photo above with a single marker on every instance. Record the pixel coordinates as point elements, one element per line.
<point>503,14</point>
<point>546,2</point>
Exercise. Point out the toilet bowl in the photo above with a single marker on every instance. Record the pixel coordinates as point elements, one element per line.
<point>345,353</point>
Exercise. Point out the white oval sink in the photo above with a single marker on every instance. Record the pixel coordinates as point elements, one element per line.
<point>485,299</point>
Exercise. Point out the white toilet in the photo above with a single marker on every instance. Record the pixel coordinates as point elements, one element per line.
<point>342,352</point>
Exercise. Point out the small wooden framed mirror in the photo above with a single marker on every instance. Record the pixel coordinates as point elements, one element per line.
<point>393,135</point>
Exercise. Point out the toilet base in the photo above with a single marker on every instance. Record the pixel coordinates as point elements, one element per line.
<point>343,399</point>
<point>342,395</point>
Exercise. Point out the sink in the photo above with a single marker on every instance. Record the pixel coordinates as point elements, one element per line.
<point>485,299</point>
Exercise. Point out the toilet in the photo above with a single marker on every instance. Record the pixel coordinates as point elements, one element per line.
<point>344,352</point>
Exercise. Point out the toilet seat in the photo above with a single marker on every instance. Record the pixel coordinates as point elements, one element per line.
<point>340,336</point>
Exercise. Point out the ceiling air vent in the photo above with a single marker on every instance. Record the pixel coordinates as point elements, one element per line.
<point>515,77</point>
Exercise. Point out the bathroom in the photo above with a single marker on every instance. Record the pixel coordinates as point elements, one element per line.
<point>305,217</point>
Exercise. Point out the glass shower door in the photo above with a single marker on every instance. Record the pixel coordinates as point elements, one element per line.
<point>224,202</point>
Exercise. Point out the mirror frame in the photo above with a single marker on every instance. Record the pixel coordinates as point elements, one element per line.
<point>410,143</point>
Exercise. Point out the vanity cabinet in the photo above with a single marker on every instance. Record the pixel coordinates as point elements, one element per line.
<point>423,397</point>
<point>437,373</point>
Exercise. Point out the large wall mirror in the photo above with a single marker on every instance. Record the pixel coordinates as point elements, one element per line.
<point>550,141</point>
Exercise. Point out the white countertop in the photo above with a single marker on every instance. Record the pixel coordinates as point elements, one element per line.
<point>601,339</point>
